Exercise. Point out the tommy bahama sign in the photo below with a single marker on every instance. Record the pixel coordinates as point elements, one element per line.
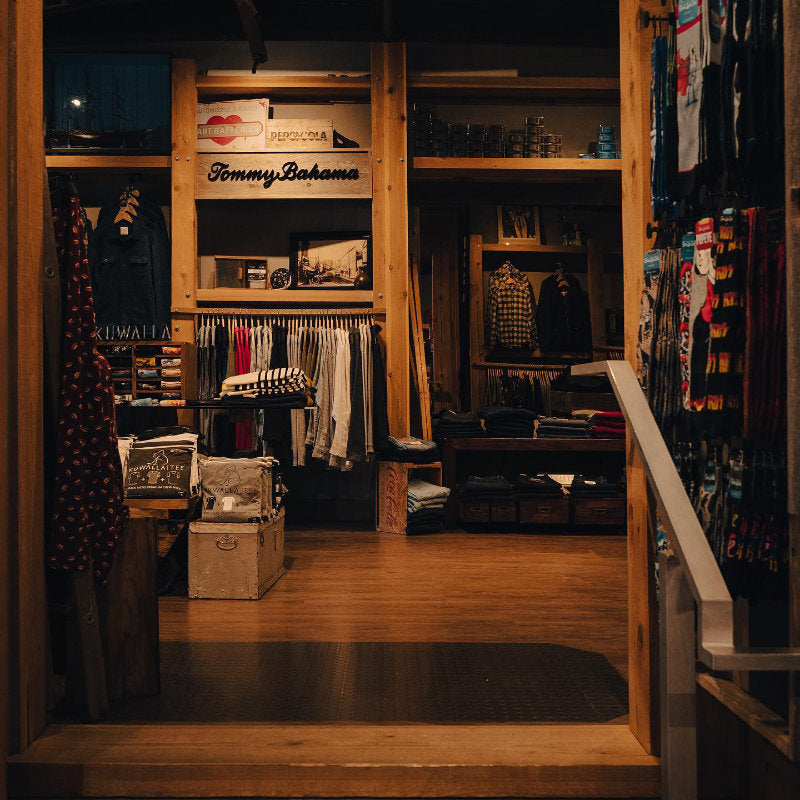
<point>267,175</point>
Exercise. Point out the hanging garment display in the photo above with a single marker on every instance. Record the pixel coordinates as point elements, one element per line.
<point>644,342</point>
<point>88,509</point>
<point>129,257</point>
<point>511,312</point>
<point>684,301</point>
<point>563,316</point>
<point>690,64</point>
<point>700,308</point>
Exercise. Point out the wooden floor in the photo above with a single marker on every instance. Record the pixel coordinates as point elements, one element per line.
<point>362,586</point>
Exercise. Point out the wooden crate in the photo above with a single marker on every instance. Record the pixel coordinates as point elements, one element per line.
<point>392,499</point>
<point>503,511</point>
<point>544,510</point>
<point>475,511</point>
<point>235,560</point>
<point>598,510</point>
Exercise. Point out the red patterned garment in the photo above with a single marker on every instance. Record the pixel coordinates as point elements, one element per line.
<point>89,512</point>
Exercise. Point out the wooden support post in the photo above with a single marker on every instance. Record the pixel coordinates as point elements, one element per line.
<point>390,222</point>
<point>791,69</point>
<point>477,316</point>
<point>635,141</point>
<point>678,687</point>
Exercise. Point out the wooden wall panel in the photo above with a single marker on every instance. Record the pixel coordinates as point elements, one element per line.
<point>21,475</point>
<point>635,140</point>
<point>390,222</point>
<point>791,49</point>
<point>440,241</point>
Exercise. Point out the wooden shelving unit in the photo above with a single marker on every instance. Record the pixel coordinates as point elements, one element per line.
<point>285,296</point>
<point>503,170</point>
<point>511,246</point>
<point>108,163</point>
<point>595,91</point>
<point>282,86</point>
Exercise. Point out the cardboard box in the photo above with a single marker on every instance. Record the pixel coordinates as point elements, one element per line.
<point>235,560</point>
<point>232,126</point>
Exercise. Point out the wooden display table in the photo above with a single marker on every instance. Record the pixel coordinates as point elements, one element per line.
<point>128,603</point>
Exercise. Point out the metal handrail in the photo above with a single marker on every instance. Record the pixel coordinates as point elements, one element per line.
<point>715,646</point>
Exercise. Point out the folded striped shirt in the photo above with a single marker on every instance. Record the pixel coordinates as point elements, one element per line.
<point>271,382</point>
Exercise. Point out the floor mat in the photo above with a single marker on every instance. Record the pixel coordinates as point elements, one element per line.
<point>379,682</point>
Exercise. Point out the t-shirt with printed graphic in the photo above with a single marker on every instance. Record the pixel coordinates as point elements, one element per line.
<point>684,304</point>
<point>702,297</point>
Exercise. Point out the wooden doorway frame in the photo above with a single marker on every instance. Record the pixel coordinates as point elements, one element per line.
<point>23,672</point>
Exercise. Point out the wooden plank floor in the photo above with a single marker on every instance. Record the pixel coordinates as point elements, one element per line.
<point>335,761</point>
<point>362,586</point>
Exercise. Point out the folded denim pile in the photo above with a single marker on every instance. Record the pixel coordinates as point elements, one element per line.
<point>492,487</point>
<point>540,485</point>
<point>508,423</point>
<point>457,425</point>
<point>274,385</point>
<point>608,425</point>
<point>426,502</point>
<point>562,428</point>
<point>411,450</point>
<point>584,486</point>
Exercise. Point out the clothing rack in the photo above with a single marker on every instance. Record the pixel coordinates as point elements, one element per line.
<point>282,312</point>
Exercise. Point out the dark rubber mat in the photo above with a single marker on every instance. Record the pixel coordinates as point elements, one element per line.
<point>379,682</point>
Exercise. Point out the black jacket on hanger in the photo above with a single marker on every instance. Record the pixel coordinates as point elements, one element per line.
<point>563,315</point>
<point>130,269</point>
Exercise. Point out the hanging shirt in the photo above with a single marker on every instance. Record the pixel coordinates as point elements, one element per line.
<point>511,311</point>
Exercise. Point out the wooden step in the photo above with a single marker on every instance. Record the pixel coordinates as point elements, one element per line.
<point>335,760</point>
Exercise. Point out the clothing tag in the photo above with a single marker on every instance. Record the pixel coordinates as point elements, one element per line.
<point>123,231</point>
<point>687,247</point>
<point>735,480</point>
<point>652,261</point>
<point>704,237</point>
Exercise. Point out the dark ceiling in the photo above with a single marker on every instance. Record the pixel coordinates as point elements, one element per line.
<point>106,23</point>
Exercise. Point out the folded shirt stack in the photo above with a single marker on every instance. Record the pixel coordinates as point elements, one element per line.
<point>426,502</point>
<point>457,424</point>
<point>410,449</point>
<point>276,385</point>
<point>608,425</point>
<point>563,428</point>
<point>583,486</point>
<point>493,487</point>
<point>505,422</point>
<point>536,486</point>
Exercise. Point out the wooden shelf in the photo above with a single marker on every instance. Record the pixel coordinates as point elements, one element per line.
<point>552,170</point>
<point>594,91</point>
<point>544,445</point>
<point>530,247</point>
<point>323,296</point>
<point>283,86</point>
<point>108,163</point>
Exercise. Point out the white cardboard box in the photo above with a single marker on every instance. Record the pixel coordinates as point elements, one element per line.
<point>233,126</point>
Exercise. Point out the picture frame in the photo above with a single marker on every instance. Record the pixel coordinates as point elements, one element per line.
<point>517,223</point>
<point>330,260</point>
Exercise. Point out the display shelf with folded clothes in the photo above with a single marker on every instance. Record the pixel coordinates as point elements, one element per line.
<point>507,423</point>
<point>456,425</point>
<point>426,507</point>
<point>410,450</point>
<point>562,428</point>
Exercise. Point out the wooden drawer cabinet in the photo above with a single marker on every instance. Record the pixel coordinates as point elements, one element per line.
<point>504,511</point>
<point>598,510</point>
<point>475,511</point>
<point>545,510</point>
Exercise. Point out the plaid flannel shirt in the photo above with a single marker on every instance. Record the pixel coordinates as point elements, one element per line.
<point>512,310</point>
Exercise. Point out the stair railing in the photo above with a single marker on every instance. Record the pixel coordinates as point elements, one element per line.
<point>689,576</point>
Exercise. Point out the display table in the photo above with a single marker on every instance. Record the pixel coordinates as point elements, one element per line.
<point>128,603</point>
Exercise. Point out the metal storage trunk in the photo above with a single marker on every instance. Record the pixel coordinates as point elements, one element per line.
<point>235,560</point>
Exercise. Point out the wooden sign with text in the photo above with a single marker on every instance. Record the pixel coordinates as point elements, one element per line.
<point>259,176</point>
<point>293,135</point>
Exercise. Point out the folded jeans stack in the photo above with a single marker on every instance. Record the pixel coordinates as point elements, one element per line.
<point>452,424</point>
<point>493,487</point>
<point>426,502</point>
<point>536,486</point>
<point>583,486</point>
<point>507,422</point>
<point>562,428</point>
<point>608,425</point>
<point>411,450</point>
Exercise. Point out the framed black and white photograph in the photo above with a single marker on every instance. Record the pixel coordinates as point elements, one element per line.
<point>330,260</point>
<point>519,224</point>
